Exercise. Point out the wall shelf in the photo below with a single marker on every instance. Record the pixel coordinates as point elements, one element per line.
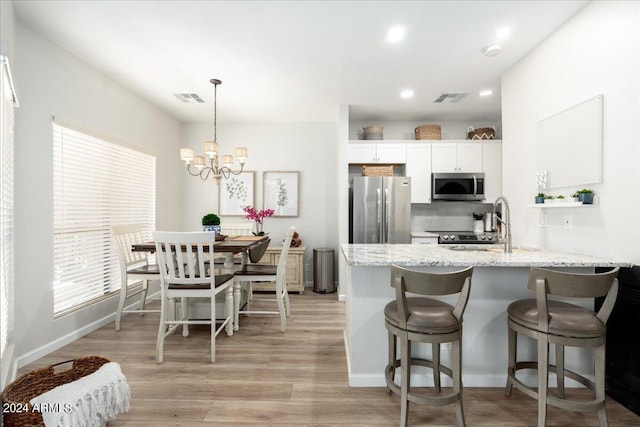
<point>559,205</point>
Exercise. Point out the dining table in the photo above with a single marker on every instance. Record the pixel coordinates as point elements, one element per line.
<point>226,245</point>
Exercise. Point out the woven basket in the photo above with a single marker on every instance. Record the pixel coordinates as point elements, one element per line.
<point>16,396</point>
<point>481,133</point>
<point>377,170</point>
<point>373,132</point>
<point>428,132</point>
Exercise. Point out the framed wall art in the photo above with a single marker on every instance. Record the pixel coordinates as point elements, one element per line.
<point>281,192</point>
<point>235,193</point>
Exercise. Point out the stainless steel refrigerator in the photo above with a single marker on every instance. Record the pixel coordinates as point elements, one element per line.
<point>380,210</point>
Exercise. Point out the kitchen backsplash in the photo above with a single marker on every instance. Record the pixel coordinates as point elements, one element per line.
<point>446,216</point>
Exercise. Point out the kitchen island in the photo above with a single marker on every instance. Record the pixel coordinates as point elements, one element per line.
<point>498,279</point>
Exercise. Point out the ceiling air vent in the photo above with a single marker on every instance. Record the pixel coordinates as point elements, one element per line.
<point>451,97</point>
<point>188,97</point>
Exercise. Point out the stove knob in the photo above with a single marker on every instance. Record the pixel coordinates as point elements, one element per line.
<point>490,237</point>
<point>452,237</point>
<point>482,237</point>
<point>445,237</point>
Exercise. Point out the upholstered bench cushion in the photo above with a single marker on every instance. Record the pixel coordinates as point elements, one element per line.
<point>565,319</point>
<point>429,316</point>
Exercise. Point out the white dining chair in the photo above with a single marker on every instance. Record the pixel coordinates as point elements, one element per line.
<point>136,272</point>
<point>253,272</point>
<point>184,274</point>
<point>232,229</point>
<point>236,229</point>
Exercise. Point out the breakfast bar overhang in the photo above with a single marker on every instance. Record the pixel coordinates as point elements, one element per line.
<point>498,279</point>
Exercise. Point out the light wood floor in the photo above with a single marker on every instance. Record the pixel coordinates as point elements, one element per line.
<point>267,378</point>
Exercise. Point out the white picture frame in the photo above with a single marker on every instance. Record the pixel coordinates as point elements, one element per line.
<point>281,191</point>
<point>235,193</point>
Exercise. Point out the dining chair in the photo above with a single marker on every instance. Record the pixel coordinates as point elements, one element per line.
<point>135,270</point>
<point>417,315</point>
<point>551,321</point>
<point>232,229</point>
<point>237,229</point>
<point>184,274</point>
<point>254,272</point>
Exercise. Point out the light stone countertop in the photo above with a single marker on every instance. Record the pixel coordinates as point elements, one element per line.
<point>407,255</point>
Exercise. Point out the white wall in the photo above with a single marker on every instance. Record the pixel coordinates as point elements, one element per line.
<point>596,52</point>
<point>309,148</point>
<point>52,82</point>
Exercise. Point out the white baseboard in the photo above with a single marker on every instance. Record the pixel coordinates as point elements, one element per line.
<point>52,346</point>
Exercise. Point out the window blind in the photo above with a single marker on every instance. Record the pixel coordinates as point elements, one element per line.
<point>6,206</point>
<point>96,184</point>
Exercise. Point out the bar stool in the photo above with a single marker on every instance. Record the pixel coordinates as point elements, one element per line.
<point>426,320</point>
<point>562,324</point>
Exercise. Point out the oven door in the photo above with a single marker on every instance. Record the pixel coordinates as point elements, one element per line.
<point>457,186</point>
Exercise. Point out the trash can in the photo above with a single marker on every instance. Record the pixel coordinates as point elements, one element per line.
<point>323,270</point>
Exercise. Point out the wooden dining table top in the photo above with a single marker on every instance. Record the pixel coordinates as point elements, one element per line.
<point>234,244</point>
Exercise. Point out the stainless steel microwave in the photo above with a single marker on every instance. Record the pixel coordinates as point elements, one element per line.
<point>457,186</point>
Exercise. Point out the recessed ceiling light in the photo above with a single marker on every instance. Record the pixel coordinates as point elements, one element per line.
<point>407,94</point>
<point>485,92</point>
<point>503,33</point>
<point>493,50</point>
<point>395,34</point>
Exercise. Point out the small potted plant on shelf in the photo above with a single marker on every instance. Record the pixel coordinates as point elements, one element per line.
<point>560,198</point>
<point>585,196</point>
<point>540,198</point>
<point>574,197</point>
<point>548,198</point>
<point>211,222</point>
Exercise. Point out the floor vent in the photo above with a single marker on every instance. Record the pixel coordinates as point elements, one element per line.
<point>188,97</point>
<point>451,97</point>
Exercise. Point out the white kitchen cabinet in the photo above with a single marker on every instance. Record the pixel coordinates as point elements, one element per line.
<point>418,167</point>
<point>492,168</point>
<point>377,152</point>
<point>456,157</point>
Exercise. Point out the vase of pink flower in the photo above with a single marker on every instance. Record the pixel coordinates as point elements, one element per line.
<point>258,217</point>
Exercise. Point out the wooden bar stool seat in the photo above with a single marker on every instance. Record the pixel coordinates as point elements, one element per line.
<point>426,320</point>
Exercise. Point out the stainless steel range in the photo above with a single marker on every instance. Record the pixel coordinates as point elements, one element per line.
<point>466,237</point>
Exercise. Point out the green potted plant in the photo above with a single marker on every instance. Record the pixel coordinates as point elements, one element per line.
<point>585,196</point>
<point>560,198</point>
<point>211,222</point>
<point>540,198</point>
<point>548,198</point>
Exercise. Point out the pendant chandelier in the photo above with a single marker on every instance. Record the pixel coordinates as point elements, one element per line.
<point>196,166</point>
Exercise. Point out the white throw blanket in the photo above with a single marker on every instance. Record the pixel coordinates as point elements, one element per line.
<point>89,401</point>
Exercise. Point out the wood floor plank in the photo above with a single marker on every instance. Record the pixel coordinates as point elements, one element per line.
<point>263,377</point>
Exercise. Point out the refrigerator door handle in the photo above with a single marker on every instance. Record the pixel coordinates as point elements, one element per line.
<point>387,215</point>
<point>380,215</point>
<point>475,185</point>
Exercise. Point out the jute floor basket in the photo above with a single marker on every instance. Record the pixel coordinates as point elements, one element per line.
<point>16,396</point>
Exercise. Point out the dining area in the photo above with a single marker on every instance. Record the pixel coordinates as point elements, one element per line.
<point>217,270</point>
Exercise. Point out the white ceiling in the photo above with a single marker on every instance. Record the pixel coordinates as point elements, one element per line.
<point>299,60</point>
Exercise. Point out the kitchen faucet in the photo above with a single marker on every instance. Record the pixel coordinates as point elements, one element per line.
<point>505,220</point>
